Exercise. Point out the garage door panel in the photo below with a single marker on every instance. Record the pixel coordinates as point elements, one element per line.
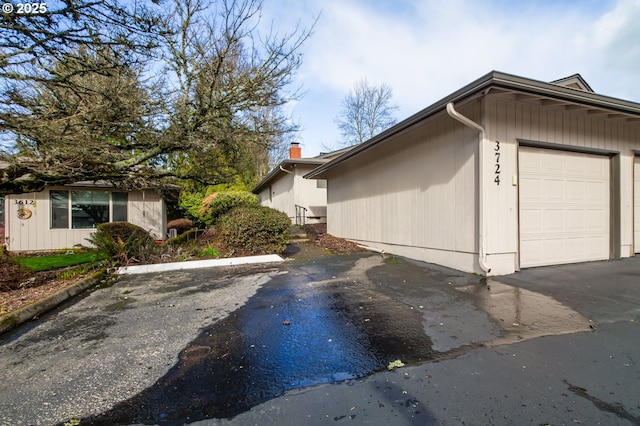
<point>553,221</point>
<point>596,221</point>
<point>551,165</point>
<point>531,190</point>
<point>564,207</point>
<point>531,221</point>
<point>554,191</point>
<point>597,192</point>
<point>576,220</point>
<point>575,190</point>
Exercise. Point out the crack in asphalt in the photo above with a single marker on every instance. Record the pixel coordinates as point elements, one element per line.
<point>616,409</point>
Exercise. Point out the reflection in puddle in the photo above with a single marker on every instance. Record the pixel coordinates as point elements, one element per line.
<point>524,314</point>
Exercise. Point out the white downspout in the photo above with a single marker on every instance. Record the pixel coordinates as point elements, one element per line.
<point>285,170</point>
<point>482,237</point>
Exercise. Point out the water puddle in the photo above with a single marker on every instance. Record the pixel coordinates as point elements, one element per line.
<point>524,314</point>
<point>303,328</point>
<point>336,322</point>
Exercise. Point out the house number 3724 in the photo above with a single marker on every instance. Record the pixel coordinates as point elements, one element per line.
<point>496,153</point>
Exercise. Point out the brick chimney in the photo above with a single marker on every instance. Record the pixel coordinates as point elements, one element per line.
<point>295,151</point>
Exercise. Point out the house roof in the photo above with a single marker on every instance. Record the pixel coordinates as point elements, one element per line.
<point>556,93</point>
<point>576,81</point>
<point>291,162</point>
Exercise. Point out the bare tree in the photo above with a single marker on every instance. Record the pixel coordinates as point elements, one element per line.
<point>93,116</point>
<point>366,111</point>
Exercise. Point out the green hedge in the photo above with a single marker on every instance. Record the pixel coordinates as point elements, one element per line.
<point>219,203</point>
<point>254,230</point>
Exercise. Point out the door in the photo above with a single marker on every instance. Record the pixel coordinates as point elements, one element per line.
<point>564,207</point>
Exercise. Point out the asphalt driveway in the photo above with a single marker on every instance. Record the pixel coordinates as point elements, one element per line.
<point>607,291</point>
<point>310,342</point>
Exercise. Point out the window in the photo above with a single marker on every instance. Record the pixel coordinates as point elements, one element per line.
<point>321,183</point>
<point>86,209</point>
<point>59,209</point>
<point>89,209</point>
<point>119,200</point>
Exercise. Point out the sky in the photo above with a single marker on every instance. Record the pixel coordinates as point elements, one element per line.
<point>427,49</point>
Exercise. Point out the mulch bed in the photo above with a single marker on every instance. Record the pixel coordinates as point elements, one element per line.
<point>317,233</point>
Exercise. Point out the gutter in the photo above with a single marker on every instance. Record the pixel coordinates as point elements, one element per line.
<point>482,237</point>
<point>491,80</point>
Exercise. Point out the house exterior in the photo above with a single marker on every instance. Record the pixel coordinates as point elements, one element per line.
<point>285,189</point>
<point>505,173</point>
<point>62,217</point>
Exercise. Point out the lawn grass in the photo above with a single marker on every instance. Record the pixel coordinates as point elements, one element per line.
<point>45,263</point>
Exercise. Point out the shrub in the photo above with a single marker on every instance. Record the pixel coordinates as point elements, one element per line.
<point>181,225</point>
<point>185,238</point>
<point>209,252</point>
<point>190,201</point>
<point>122,241</point>
<point>219,203</point>
<point>254,230</point>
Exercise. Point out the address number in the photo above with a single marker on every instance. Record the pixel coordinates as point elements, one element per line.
<point>496,153</point>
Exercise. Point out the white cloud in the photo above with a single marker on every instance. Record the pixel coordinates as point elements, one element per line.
<point>425,50</point>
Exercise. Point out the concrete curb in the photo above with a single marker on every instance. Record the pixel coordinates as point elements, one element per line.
<point>26,313</point>
<point>197,264</point>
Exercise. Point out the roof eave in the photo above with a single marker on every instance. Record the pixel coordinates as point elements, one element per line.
<point>493,79</point>
<point>277,170</point>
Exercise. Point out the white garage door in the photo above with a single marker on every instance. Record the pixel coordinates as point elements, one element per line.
<point>564,207</point>
<point>636,208</point>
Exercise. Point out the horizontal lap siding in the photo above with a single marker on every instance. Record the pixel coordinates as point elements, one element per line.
<point>415,189</point>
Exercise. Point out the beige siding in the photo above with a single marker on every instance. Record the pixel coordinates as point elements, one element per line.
<point>290,189</point>
<point>414,193</point>
<point>282,195</point>
<point>507,120</point>
<point>308,195</point>
<point>35,233</point>
<point>147,209</point>
<point>263,197</point>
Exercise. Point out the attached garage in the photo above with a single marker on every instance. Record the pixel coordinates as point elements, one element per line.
<point>564,207</point>
<point>636,205</point>
<point>503,174</point>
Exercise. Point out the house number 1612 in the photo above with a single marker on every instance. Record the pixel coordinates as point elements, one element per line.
<point>497,155</point>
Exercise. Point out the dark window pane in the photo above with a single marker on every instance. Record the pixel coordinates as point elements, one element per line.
<point>119,200</point>
<point>89,208</point>
<point>59,209</point>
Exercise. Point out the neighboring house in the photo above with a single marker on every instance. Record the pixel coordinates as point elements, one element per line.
<point>1,220</point>
<point>505,173</point>
<point>62,217</point>
<point>285,189</point>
